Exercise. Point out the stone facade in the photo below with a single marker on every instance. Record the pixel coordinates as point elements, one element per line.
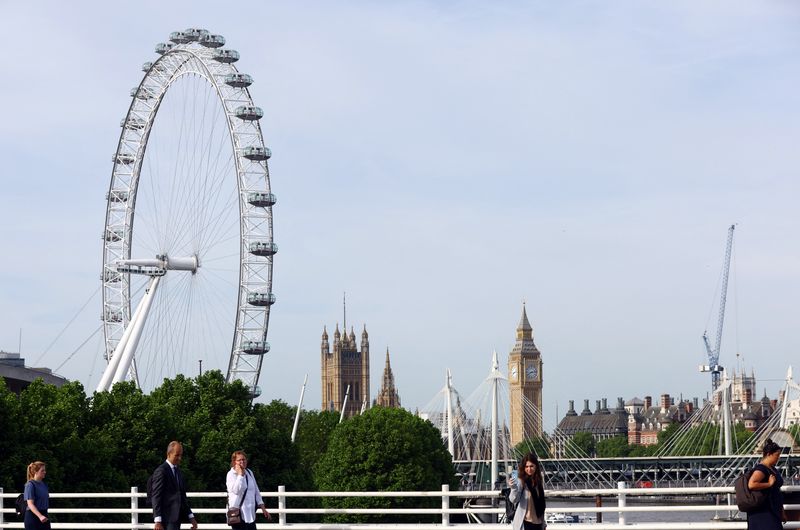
<point>387,396</point>
<point>603,423</point>
<point>345,366</point>
<point>525,384</point>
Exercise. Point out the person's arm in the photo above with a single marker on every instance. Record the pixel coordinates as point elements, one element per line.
<point>236,484</point>
<point>516,489</point>
<point>259,501</point>
<point>158,496</point>
<point>757,483</point>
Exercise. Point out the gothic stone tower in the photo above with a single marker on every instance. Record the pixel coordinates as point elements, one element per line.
<point>342,367</point>
<point>388,396</point>
<point>525,384</point>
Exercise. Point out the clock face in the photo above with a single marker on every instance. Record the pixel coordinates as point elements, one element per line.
<point>531,372</point>
<point>514,373</point>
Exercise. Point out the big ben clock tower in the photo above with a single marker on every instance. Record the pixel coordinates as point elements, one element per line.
<point>525,384</point>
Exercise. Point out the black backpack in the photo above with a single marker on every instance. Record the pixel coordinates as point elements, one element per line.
<point>20,505</point>
<point>511,507</point>
<point>746,499</point>
<point>148,500</point>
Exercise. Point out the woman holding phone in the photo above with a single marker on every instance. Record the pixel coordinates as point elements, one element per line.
<point>528,490</point>
<point>243,492</point>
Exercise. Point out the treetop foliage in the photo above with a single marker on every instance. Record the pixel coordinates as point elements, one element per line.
<point>110,441</point>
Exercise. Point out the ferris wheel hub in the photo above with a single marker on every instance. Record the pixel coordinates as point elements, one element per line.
<point>159,265</point>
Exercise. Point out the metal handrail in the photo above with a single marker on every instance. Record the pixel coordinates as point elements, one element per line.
<point>621,494</point>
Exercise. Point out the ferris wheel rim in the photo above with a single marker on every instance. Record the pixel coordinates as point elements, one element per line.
<point>255,220</point>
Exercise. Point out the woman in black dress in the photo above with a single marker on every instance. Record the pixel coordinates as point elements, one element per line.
<point>768,479</point>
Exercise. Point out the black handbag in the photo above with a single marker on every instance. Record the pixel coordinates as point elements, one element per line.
<point>234,514</point>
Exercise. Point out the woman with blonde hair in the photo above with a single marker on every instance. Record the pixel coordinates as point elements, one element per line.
<point>243,492</point>
<point>37,497</point>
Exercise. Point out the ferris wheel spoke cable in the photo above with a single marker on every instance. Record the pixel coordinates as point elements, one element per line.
<point>64,329</point>
<point>218,226</point>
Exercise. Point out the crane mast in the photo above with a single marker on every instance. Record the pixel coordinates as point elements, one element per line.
<point>713,354</point>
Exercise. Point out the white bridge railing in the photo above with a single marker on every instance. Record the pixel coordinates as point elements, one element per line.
<point>649,510</point>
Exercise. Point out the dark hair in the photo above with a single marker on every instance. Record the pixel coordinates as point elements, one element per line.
<point>771,447</point>
<point>536,478</point>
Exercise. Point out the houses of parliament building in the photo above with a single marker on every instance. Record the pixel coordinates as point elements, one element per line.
<point>345,372</point>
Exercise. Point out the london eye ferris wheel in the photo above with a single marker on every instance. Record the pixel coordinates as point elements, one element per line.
<point>187,243</point>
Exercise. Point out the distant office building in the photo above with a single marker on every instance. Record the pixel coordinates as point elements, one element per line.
<point>345,367</point>
<point>387,396</point>
<point>17,376</point>
<point>525,384</point>
<point>644,425</point>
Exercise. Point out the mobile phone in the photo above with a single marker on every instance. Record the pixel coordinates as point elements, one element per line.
<point>514,474</point>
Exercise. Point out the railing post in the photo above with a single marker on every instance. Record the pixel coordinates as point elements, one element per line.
<point>281,506</point>
<point>621,501</point>
<point>2,502</point>
<point>134,507</point>
<point>445,504</point>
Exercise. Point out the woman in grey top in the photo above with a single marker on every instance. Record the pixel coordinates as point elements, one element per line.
<point>528,491</point>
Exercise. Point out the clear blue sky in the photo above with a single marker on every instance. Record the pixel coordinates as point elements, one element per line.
<point>441,162</point>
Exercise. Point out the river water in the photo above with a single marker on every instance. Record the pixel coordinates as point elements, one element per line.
<point>672,513</point>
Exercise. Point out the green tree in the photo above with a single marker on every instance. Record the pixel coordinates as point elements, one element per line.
<point>313,433</point>
<point>613,447</point>
<point>539,445</point>
<point>384,449</point>
<point>581,445</point>
<point>12,441</point>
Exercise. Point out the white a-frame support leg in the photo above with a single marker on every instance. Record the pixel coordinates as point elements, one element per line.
<point>120,362</point>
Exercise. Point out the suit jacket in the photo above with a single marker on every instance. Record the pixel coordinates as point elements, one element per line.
<point>169,495</point>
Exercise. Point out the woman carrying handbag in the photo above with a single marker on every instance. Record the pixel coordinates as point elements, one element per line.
<point>243,494</point>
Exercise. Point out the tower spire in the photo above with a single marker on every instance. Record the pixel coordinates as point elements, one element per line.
<point>344,311</point>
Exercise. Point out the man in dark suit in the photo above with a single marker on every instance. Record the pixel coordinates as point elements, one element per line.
<point>170,506</point>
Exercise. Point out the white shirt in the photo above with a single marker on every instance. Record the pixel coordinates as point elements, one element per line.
<point>236,485</point>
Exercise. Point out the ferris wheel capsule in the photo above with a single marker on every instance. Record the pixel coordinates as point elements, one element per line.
<point>194,34</point>
<point>164,47</point>
<point>257,153</point>
<point>248,113</point>
<point>238,80</point>
<point>226,56</point>
<point>261,299</point>
<point>263,248</point>
<point>178,37</point>
<point>255,347</point>
<point>265,200</point>
<point>212,41</point>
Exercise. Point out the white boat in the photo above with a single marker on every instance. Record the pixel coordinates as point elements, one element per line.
<point>569,518</point>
